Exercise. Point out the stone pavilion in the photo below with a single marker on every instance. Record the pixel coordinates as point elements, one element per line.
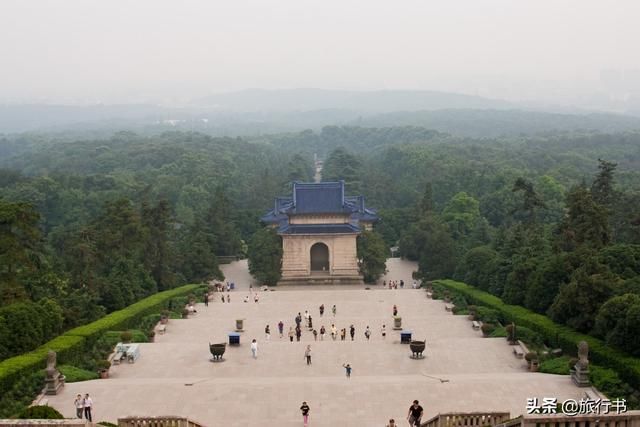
<point>319,225</point>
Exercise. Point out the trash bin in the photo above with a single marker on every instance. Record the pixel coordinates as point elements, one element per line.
<point>234,338</point>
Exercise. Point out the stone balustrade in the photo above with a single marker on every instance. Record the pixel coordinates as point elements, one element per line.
<point>467,419</point>
<point>627,419</point>
<point>165,421</point>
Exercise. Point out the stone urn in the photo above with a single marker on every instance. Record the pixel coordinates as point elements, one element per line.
<point>535,366</point>
<point>217,350</point>
<point>417,347</point>
<point>239,325</point>
<point>397,323</point>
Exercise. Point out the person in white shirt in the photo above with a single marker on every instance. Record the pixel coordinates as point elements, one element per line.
<point>88,404</point>
<point>79,404</point>
<point>254,349</point>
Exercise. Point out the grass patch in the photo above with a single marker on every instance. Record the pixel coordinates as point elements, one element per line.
<point>73,374</point>
<point>556,365</point>
<point>499,332</point>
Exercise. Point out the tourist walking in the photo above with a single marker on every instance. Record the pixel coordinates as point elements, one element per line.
<point>415,414</point>
<point>298,333</point>
<point>79,404</point>
<point>255,298</point>
<point>206,299</point>
<point>246,298</point>
<point>307,354</point>
<point>298,319</point>
<point>384,331</point>
<point>367,333</point>
<point>305,413</point>
<point>254,348</point>
<point>333,310</point>
<point>88,405</point>
<point>228,287</point>
<point>334,332</point>
<point>323,331</point>
<point>392,423</point>
<point>347,369</point>
<point>291,333</point>
<point>267,333</point>
<point>343,334</point>
<point>221,298</point>
<point>280,328</point>
<point>228,298</point>
<point>321,310</point>
<point>352,332</point>
<point>401,284</point>
<point>315,335</point>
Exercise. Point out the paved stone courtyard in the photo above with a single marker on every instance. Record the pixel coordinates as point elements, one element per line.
<point>174,375</point>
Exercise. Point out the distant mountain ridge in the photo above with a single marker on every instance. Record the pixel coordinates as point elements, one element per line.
<point>378,101</point>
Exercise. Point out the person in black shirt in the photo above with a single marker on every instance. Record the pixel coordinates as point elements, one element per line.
<point>305,413</point>
<point>415,414</point>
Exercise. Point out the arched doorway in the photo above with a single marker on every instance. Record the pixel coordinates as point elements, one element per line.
<point>319,257</point>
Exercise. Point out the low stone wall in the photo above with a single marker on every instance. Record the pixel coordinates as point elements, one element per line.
<point>467,419</point>
<point>162,421</point>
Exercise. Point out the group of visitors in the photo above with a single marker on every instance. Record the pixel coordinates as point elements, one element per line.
<point>322,333</point>
<point>414,416</point>
<point>83,406</point>
<point>393,284</point>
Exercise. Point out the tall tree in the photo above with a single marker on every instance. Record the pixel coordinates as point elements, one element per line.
<point>158,254</point>
<point>461,214</point>
<point>265,256</point>
<point>372,253</point>
<point>220,227</point>
<point>343,165</point>
<point>602,187</point>
<point>20,248</point>
<point>531,200</point>
<point>585,223</point>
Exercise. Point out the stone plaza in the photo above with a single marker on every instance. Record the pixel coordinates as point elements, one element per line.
<point>461,370</point>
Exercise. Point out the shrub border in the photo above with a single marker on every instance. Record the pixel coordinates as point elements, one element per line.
<point>71,345</point>
<point>561,336</point>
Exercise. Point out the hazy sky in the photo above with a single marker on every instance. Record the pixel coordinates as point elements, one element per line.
<point>113,50</point>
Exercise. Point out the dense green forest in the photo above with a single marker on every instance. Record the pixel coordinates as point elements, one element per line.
<point>549,222</point>
<point>88,227</point>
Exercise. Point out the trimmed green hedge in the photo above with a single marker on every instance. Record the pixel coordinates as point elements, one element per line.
<point>556,335</point>
<point>127,317</point>
<point>72,345</point>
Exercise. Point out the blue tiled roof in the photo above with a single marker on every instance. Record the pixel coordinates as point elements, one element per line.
<point>319,198</point>
<point>318,229</point>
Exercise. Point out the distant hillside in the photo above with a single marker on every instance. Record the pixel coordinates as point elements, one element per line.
<point>366,102</point>
<point>494,123</point>
<point>20,118</point>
